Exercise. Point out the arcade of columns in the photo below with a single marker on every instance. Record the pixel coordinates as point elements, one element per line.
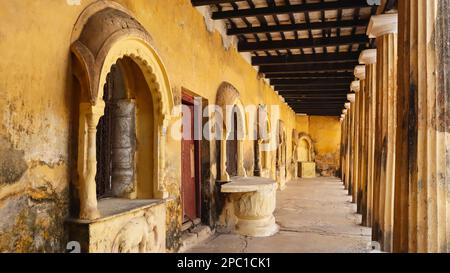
<point>395,137</point>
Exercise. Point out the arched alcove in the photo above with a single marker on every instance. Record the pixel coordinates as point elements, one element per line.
<point>305,156</point>
<point>264,142</point>
<point>232,122</point>
<point>111,47</point>
<point>305,149</point>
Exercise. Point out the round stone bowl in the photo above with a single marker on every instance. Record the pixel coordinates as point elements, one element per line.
<point>254,201</point>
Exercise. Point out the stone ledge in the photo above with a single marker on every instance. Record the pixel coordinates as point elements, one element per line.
<point>114,207</point>
<point>248,184</point>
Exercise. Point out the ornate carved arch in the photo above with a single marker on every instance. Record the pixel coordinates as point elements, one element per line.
<point>264,143</point>
<point>227,98</point>
<point>105,33</point>
<point>107,36</point>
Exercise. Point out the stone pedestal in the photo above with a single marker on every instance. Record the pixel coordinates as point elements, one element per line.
<point>307,169</point>
<point>254,201</point>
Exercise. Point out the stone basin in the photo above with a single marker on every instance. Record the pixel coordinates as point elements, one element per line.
<point>254,201</point>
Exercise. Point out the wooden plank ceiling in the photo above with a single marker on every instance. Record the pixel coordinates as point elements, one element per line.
<point>308,49</point>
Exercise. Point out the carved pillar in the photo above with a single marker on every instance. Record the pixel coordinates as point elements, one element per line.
<point>369,58</point>
<point>348,160</point>
<point>355,87</point>
<point>360,73</point>
<point>160,186</point>
<point>350,144</point>
<point>343,135</point>
<point>87,159</point>
<point>123,148</point>
<point>421,201</point>
<point>224,176</point>
<point>241,170</point>
<point>258,167</point>
<point>384,29</point>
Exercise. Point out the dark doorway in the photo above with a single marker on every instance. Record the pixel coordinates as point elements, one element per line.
<point>190,163</point>
<point>232,146</point>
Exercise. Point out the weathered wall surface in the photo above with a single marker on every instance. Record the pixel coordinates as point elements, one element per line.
<point>326,135</point>
<point>36,137</point>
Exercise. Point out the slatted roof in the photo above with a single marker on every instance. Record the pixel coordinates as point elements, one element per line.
<point>308,49</point>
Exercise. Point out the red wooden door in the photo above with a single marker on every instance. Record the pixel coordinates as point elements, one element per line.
<point>189,167</point>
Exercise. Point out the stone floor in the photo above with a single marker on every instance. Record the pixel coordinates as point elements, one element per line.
<point>314,215</point>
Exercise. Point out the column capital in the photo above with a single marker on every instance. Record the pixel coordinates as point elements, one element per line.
<point>344,112</point>
<point>382,24</point>
<point>368,56</point>
<point>355,86</point>
<point>360,72</point>
<point>351,97</point>
<point>347,105</point>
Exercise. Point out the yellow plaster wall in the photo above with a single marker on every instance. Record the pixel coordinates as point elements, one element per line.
<point>326,135</point>
<point>38,105</point>
<point>302,124</point>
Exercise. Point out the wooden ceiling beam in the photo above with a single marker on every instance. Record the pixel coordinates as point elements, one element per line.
<point>312,90</point>
<point>299,8</point>
<point>298,27</point>
<point>306,59</point>
<point>303,43</point>
<point>311,82</point>
<point>295,68</point>
<point>340,75</point>
<point>198,3</point>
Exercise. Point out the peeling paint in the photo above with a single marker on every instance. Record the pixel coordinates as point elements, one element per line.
<point>12,163</point>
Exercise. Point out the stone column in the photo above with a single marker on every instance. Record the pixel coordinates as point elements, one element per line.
<point>351,111</point>
<point>360,73</point>
<point>348,161</point>
<point>369,58</point>
<point>160,190</point>
<point>123,149</point>
<point>384,29</point>
<point>355,87</point>
<point>347,112</point>
<point>342,148</point>
<point>224,176</point>
<point>87,159</point>
<point>422,166</point>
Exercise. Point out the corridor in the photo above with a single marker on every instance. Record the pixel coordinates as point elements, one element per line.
<point>315,215</point>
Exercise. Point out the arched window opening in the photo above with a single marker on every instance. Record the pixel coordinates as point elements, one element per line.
<point>115,140</point>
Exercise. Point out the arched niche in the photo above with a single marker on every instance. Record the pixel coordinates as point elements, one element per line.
<point>306,167</point>
<point>305,148</point>
<point>107,36</point>
<point>231,114</point>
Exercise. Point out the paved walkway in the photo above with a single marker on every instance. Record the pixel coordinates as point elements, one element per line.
<point>314,215</point>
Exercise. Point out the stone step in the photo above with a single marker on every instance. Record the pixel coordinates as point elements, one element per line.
<point>194,236</point>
